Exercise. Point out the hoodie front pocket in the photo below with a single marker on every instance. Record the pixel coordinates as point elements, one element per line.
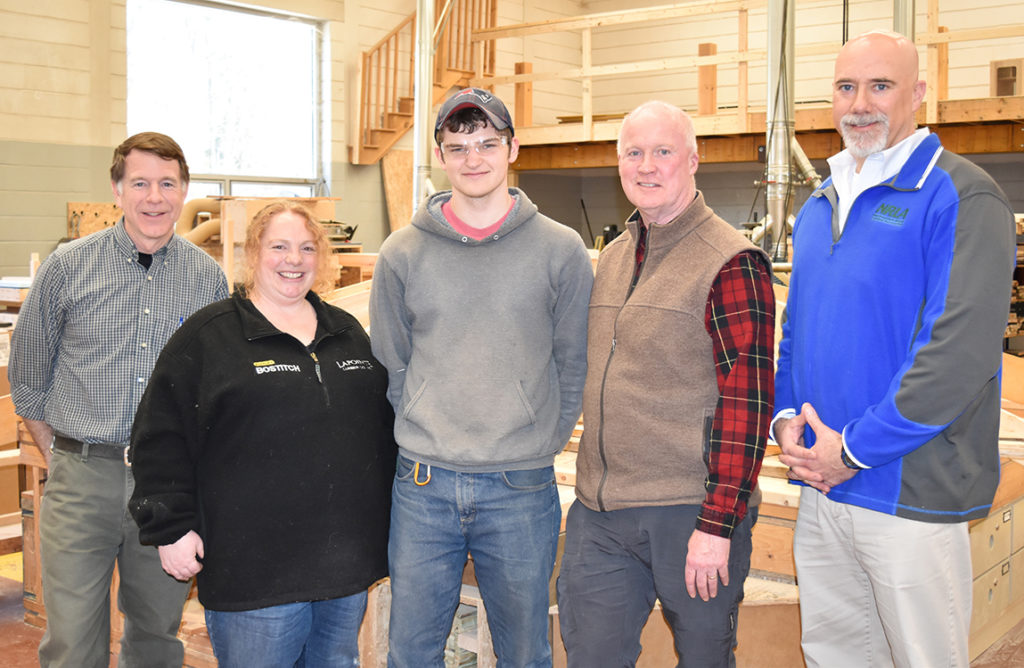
<point>483,408</point>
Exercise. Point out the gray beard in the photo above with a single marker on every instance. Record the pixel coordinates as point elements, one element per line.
<point>861,146</point>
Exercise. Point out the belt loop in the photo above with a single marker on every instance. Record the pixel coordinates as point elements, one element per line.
<point>127,459</point>
<point>85,451</point>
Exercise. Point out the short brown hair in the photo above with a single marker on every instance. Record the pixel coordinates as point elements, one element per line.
<point>148,142</point>
<point>322,279</point>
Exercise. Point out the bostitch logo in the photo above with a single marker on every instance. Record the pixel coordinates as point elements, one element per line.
<point>355,365</point>
<point>269,366</point>
<point>890,215</point>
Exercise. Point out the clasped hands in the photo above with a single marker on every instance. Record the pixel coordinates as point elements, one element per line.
<point>820,466</point>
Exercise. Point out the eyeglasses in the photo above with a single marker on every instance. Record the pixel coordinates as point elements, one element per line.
<point>483,147</point>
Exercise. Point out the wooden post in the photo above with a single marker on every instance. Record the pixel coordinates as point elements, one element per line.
<point>524,97</point>
<point>931,95</point>
<point>587,46</point>
<point>941,82</point>
<point>742,90</point>
<point>707,81</point>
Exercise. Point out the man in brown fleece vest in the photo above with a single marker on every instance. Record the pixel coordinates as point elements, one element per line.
<point>676,407</point>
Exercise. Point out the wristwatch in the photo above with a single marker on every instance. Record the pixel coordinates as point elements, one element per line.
<point>849,463</point>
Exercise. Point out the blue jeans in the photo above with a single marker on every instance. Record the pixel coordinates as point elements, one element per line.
<point>305,635</point>
<point>614,566</point>
<point>509,521</point>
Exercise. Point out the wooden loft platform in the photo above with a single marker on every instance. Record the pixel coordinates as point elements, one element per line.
<point>987,125</point>
<point>733,129</point>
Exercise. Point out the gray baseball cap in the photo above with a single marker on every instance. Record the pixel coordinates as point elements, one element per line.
<point>492,107</point>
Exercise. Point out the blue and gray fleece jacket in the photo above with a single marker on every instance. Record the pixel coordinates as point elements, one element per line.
<point>893,332</point>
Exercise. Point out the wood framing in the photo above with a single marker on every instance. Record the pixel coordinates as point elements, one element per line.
<point>959,127</point>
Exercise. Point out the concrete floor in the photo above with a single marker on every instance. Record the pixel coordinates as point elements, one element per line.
<point>18,641</point>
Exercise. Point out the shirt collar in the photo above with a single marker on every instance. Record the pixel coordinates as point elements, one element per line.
<point>695,213</point>
<point>879,166</point>
<point>125,244</point>
<point>256,326</point>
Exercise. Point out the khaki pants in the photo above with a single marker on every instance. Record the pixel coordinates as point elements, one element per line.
<point>879,590</point>
<point>84,528</point>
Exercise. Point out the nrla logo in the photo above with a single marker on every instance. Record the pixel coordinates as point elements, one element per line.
<point>890,215</point>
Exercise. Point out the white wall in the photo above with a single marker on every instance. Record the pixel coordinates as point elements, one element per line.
<point>547,52</point>
<point>816,21</point>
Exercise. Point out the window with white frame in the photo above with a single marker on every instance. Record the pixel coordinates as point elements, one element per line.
<point>238,88</point>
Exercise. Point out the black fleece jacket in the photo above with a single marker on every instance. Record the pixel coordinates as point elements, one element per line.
<point>280,457</point>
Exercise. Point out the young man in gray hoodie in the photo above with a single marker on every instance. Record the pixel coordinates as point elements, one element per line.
<point>479,312</point>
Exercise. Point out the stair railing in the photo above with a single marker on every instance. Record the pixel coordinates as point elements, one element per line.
<point>387,70</point>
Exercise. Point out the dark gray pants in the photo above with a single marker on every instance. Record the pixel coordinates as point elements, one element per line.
<point>616,563</point>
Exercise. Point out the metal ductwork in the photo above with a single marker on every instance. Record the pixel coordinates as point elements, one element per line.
<point>191,209</point>
<point>903,18</point>
<point>779,125</point>
<point>422,133</point>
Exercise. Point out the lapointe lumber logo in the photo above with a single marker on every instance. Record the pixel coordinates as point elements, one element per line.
<point>355,365</point>
<point>890,215</point>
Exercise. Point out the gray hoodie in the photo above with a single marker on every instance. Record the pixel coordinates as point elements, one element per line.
<point>484,341</point>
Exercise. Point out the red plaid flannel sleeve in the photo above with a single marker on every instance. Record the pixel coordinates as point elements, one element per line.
<point>740,318</point>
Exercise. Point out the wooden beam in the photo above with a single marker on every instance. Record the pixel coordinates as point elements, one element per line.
<point>707,81</point>
<point>618,69</point>
<point>587,52</point>
<point>945,37</point>
<point>604,19</point>
<point>566,156</point>
<point>931,95</point>
<point>742,91</point>
<point>982,110</point>
<point>809,117</point>
<point>989,138</point>
<point>942,61</point>
<point>1005,137</point>
<point>524,97</point>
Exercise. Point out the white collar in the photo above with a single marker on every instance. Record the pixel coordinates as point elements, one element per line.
<point>877,167</point>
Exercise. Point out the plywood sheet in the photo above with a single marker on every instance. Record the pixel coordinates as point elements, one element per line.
<point>397,169</point>
<point>88,217</point>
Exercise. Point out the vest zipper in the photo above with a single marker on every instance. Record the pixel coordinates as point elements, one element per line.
<point>611,353</point>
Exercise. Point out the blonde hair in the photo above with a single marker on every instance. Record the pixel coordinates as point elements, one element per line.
<point>672,111</point>
<point>322,279</point>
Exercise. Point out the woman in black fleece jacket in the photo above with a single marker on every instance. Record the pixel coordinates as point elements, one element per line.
<point>263,456</point>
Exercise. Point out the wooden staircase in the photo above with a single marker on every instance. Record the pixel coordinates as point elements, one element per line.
<point>387,73</point>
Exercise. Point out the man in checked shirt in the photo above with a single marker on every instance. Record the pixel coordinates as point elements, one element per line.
<point>100,310</point>
<point>676,405</point>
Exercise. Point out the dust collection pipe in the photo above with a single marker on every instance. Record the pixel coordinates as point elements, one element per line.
<point>779,124</point>
<point>422,92</point>
<point>202,232</point>
<point>903,18</point>
<point>810,177</point>
<point>192,208</point>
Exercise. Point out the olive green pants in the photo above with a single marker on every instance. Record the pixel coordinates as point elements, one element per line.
<point>84,529</point>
